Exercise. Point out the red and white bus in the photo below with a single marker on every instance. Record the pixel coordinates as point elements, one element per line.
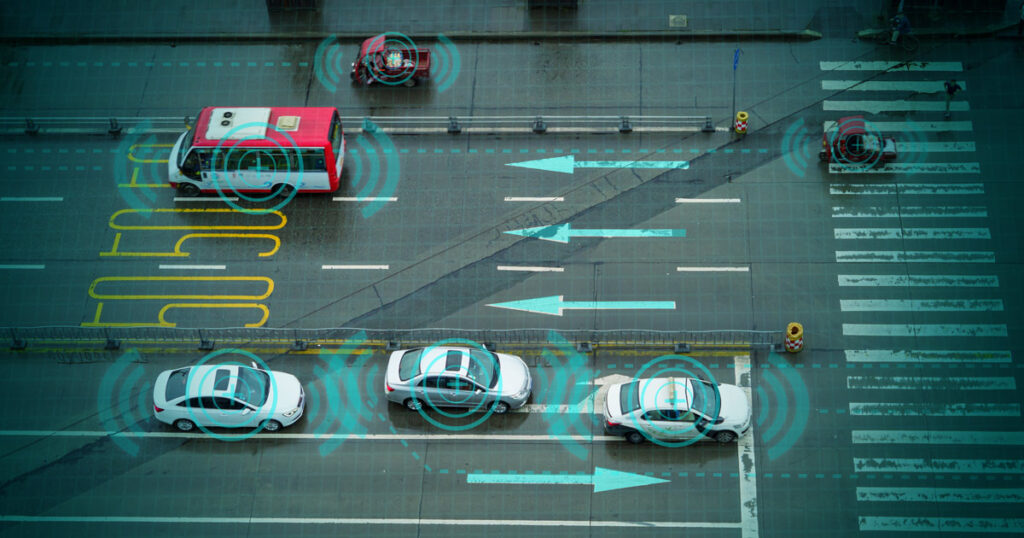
<point>259,150</point>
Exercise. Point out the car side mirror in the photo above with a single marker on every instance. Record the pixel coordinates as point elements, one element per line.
<point>479,391</point>
<point>246,411</point>
<point>701,425</point>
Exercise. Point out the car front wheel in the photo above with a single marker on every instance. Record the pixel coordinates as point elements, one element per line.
<point>725,437</point>
<point>272,426</point>
<point>184,425</point>
<point>500,408</point>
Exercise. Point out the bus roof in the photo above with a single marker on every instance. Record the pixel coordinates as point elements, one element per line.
<point>263,126</point>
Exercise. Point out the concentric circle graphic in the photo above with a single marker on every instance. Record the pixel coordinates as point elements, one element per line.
<point>458,396</point>
<point>862,142</point>
<point>391,66</point>
<point>232,417</point>
<point>645,387</point>
<point>232,174</point>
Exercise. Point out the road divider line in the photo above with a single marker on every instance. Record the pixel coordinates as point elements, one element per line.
<point>21,266</point>
<point>534,198</point>
<point>531,268</point>
<point>367,199</point>
<point>957,189</point>
<point>907,409</point>
<point>903,256</point>
<point>197,267</point>
<point>692,269</point>
<point>929,383</point>
<point>708,200</point>
<point>949,281</point>
<point>32,199</point>
<point>941,495</point>
<point>868,329</point>
<point>937,437</point>
<point>857,65</point>
<point>920,465</point>
<point>912,233</point>
<point>356,267</point>
<point>921,305</point>
<point>928,356</point>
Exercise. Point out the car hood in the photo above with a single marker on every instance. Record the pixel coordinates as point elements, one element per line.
<point>735,406</point>
<point>515,376</point>
<point>289,391</point>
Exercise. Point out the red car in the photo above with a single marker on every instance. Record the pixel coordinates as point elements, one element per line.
<point>380,62</point>
<point>850,143</point>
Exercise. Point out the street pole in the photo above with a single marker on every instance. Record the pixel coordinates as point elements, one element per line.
<point>735,64</point>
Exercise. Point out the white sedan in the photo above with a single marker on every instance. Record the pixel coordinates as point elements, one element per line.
<point>227,396</point>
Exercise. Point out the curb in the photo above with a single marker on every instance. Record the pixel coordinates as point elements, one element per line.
<point>292,37</point>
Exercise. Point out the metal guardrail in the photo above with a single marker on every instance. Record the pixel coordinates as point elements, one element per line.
<point>539,123</point>
<point>112,338</point>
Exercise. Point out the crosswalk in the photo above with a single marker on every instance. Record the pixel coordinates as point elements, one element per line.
<point>940,325</point>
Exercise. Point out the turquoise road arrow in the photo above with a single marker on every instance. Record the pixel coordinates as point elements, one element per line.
<point>561,233</point>
<point>568,163</point>
<point>555,304</point>
<point>602,479</point>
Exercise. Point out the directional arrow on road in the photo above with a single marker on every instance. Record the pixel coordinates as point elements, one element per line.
<point>568,163</point>
<point>602,479</point>
<point>562,233</point>
<point>554,305</point>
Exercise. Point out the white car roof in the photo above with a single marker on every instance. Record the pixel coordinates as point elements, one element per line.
<point>204,379</point>
<point>665,393</point>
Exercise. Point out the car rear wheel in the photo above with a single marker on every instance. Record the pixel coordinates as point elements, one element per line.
<point>412,404</point>
<point>635,437</point>
<point>500,408</point>
<point>272,426</point>
<point>725,437</point>
<point>184,425</point>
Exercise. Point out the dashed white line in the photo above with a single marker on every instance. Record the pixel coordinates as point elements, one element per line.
<point>356,267</point>
<point>197,267</point>
<point>367,199</point>
<point>691,269</point>
<point>15,266</point>
<point>32,199</point>
<point>205,198</point>
<point>708,200</point>
<point>534,198</point>
<point>531,268</point>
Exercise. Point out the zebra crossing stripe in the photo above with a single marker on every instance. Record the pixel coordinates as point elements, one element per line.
<point>941,495</point>
<point>906,409</point>
<point>919,86</point>
<point>921,305</point>
<point>912,233</point>
<point>956,189</point>
<point>934,147</point>
<point>959,525</point>
<point>857,65</point>
<point>947,281</point>
<point>937,437</point>
<point>911,126</point>
<point>929,383</point>
<point>920,465</point>
<point>869,329</point>
<point>909,211</point>
<point>902,256</point>
<point>907,168</point>
<point>877,107</point>
<point>927,355</point>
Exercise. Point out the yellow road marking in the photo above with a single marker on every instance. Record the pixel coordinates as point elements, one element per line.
<point>165,323</point>
<point>181,254</point>
<point>131,152</point>
<point>94,295</point>
<point>134,183</point>
<point>114,225</point>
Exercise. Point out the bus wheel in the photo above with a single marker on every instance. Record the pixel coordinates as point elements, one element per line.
<point>284,191</point>
<point>188,189</point>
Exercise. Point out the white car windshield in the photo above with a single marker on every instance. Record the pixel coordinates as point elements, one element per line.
<point>705,399</point>
<point>483,368</point>
<point>252,386</point>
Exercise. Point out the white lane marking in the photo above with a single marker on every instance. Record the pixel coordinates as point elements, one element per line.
<point>912,233</point>
<point>908,168</point>
<point>900,256</point>
<point>911,126</point>
<point>941,495</point>
<point>958,525</point>
<point>205,198</point>
<point>920,465</point>
<point>32,199</point>
<point>934,147</point>
<point>927,355</point>
<point>197,267</point>
<point>367,199</point>
<point>948,281</point>
<point>708,200</point>
<point>921,305</point>
<point>868,329</point>
<point>745,458</point>
<point>315,437</point>
<point>691,269</point>
<point>178,520</point>
<point>906,409</point>
<point>937,437</point>
<point>909,211</point>
<point>356,267</point>
<point>564,409</point>
<point>857,65</point>
<point>531,268</point>
<point>16,266</point>
<point>908,188</point>
<point>534,198</point>
<point>898,105</point>
<point>867,382</point>
<point>919,86</point>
